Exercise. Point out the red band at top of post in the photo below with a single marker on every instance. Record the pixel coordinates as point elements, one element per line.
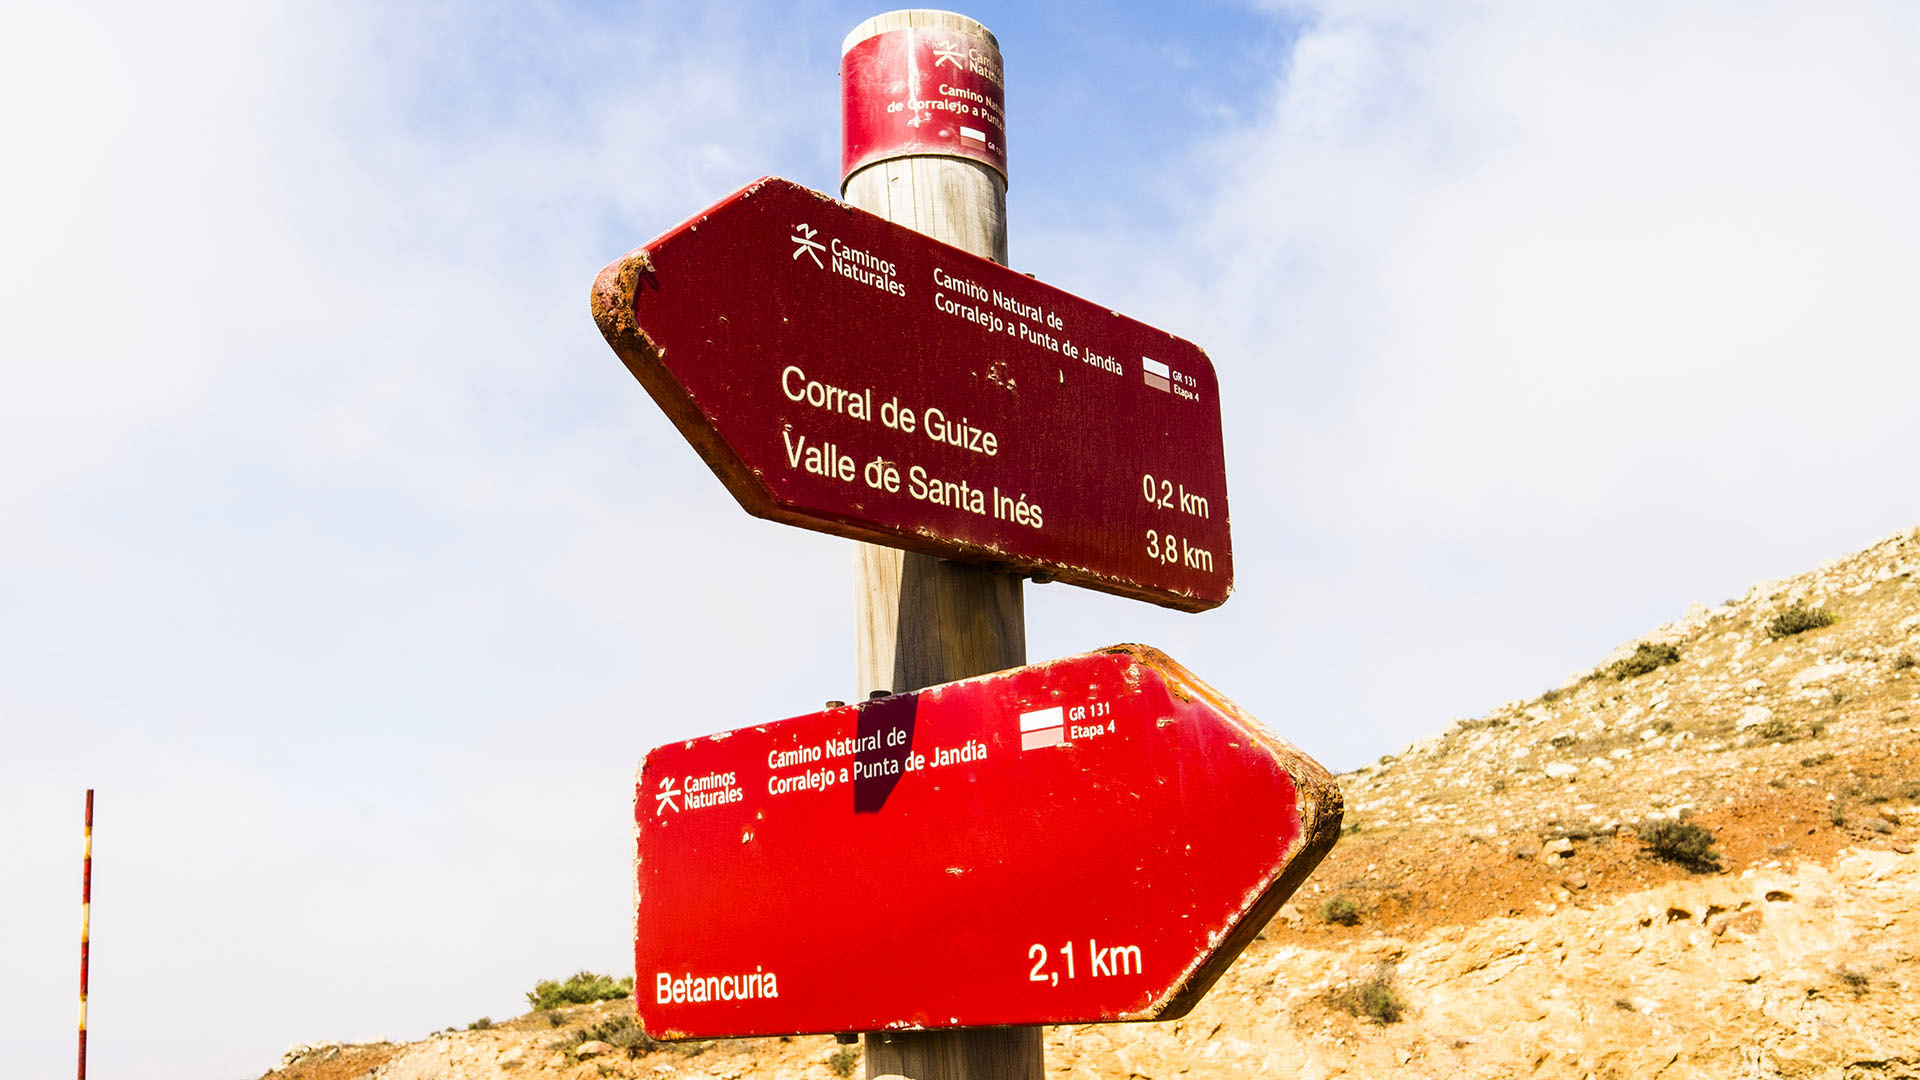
<point>923,90</point>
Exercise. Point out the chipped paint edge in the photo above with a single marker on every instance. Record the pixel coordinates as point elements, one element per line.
<point>1318,804</point>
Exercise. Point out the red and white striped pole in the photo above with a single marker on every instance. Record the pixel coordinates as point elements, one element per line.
<point>86,920</point>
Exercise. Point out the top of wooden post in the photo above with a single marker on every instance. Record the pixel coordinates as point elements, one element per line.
<point>913,17</point>
<point>920,83</point>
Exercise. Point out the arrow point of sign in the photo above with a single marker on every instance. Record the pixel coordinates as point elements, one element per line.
<point>1318,804</point>
<point>616,290</point>
<point>613,292</point>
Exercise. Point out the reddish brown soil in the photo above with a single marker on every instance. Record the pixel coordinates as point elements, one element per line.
<point>1407,880</point>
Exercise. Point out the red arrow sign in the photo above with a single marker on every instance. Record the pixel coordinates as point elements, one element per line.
<point>1089,840</point>
<point>850,375</point>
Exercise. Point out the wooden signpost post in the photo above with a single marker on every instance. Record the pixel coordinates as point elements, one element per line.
<point>1084,841</point>
<point>918,620</point>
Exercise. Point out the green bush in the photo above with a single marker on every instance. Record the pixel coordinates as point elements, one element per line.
<point>843,1061</point>
<point>1375,999</point>
<point>1798,619</point>
<point>481,1024</point>
<point>621,1032</point>
<point>1646,657</point>
<point>1678,842</point>
<point>1904,661</point>
<point>580,988</point>
<point>1780,731</point>
<point>1342,910</point>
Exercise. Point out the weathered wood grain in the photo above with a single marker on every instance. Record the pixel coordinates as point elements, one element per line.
<point>919,620</point>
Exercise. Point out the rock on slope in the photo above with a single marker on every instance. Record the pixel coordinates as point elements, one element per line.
<point>1494,893</point>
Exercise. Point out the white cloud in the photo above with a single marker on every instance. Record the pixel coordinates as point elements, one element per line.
<point>1538,323</point>
<point>342,556</point>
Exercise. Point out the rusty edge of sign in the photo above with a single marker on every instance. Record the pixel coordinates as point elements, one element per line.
<point>615,292</point>
<point>1318,802</point>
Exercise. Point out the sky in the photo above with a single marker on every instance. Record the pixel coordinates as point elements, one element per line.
<point>345,561</point>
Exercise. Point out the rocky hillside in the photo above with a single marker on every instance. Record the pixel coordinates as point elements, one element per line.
<point>1695,860</point>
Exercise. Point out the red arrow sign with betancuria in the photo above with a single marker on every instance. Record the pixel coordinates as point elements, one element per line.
<point>1085,841</point>
<point>847,374</point>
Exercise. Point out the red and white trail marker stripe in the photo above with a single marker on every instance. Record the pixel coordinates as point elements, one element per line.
<point>1157,375</point>
<point>86,920</point>
<point>1043,727</point>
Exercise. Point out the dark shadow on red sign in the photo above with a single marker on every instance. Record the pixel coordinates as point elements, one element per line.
<point>886,741</point>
